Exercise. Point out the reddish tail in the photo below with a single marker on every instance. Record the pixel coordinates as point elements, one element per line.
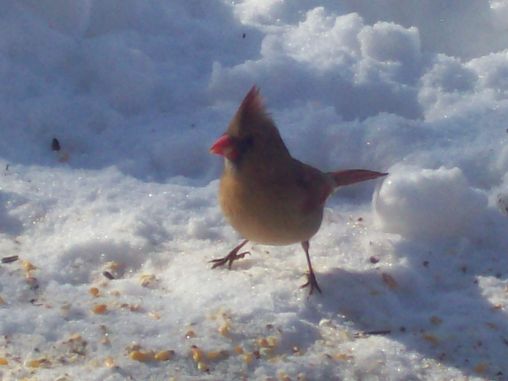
<point>352,176</point>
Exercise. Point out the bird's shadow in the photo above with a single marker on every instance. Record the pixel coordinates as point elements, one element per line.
<point>433,304</point>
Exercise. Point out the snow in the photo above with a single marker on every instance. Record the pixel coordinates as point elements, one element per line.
<point>113,233</point>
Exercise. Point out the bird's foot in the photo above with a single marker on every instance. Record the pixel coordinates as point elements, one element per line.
<point>229,259</point>
<point>311,283</point>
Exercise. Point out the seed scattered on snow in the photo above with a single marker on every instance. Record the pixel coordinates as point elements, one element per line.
<point>267,342</point>
<point>94,291</point>
<point>436,320</point>
<point>248,358</point>
<point>3,361</point>
<point>238,350</point>
<point>38,363</point>
<point>154,315</point>
<point>224,330</point>
<point>197,354</point>
<point>389,281</point>
<point>430,338</point>
<point>164,355</point>
<point>27,266</point>
<point>108,275</point>
<point>131,307</point>
<point>342,357</point>
<point>272,341</point>
<point>147,280</point>
<point>100,309</point>
<point>109,362</point>
<point>10,259</point>
<point>481,368</point>
<point>217,355</point>
<point>140,356</point>
<point>203,367</point>
<point>262,342</point>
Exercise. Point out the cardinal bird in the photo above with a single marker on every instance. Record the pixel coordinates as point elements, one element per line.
<point>266,195</point>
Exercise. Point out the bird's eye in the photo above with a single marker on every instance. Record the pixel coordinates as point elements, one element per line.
<point>246,143</point>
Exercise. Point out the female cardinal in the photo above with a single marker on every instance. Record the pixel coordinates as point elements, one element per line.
<point>266,195</point>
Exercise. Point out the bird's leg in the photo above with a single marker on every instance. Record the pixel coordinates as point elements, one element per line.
<point>231,257</point>
<point>311,278</point>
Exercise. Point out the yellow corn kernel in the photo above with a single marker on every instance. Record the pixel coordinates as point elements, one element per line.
<point>342,357</point>
<point>203,367</point>
<point>27,266</point>
<point>224,330</point>
<point>37,363</point>
<point>216,355</point>
<point>141,356</point>
<point>164,355</point>
<point>272,341</point>
<point>3,361</point>
<point>248,358</point>
<point>94,291</point>
<point>197,354</point>
<point>147,280</point>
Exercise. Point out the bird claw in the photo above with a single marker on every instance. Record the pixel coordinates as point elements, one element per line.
<point>229,259</point>
<point>312,283</point>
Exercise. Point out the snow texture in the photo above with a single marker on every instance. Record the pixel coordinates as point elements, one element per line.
<point>106,242</point>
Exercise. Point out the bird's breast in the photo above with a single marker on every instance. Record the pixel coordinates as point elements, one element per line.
<point>272,213</point>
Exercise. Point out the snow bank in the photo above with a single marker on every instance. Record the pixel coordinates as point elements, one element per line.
<point>107,240</point>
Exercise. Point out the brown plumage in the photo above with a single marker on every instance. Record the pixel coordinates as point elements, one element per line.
<point>266,195</point>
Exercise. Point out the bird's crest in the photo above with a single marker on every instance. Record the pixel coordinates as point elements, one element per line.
<point>252,104</point>
<point>250,114</point>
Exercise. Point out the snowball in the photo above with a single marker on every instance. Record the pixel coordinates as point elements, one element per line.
<point>428,203</point>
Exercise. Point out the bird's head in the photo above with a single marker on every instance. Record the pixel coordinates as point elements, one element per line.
<point>251,133</point>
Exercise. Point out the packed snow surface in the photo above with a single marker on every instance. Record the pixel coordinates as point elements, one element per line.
<point>106,233</point>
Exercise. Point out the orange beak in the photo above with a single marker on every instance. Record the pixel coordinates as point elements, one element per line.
<point>224,147</point>
<point>221,145</point>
